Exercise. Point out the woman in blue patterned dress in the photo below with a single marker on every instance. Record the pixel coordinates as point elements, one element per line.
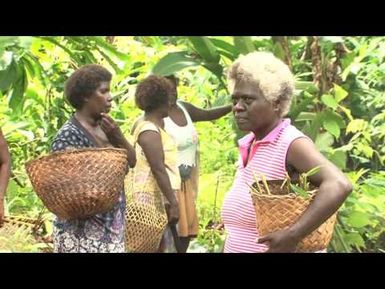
<point>88,91</point>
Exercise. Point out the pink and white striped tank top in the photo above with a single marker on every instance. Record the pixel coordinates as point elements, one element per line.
<point>267,157</point>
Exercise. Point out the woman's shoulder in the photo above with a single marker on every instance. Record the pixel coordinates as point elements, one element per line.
<point>292,133</point>
<point>144,125</point>
<point>68,129</point>
<point>69,135</point>
<point>184,105</point>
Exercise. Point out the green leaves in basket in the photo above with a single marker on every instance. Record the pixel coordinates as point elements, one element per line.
<point>303,178</point>
<point>298,190</point>
<point>313,171</point>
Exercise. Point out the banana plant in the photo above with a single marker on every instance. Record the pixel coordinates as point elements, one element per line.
<point>18,63</point>
<point>207,52</point>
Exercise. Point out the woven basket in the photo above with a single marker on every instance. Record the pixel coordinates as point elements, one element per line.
<point>10,228</point>
<point>14,224</point>
<point>144,228</point>
<point>77,184</point>
<point>145,216</point>
<point>27,230</point>
<point>18,221</point>
<point>278,211</point>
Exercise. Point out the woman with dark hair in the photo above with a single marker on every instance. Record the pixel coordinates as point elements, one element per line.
<point>156,173</point>
<point>88,91</point>
<point>180,125</point>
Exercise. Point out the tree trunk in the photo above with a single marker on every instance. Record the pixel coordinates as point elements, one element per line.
<point>318,61</point>
<point>325,73</point>
<point>283,43</point>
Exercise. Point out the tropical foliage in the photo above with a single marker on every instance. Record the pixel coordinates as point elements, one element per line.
<point>338,102</point>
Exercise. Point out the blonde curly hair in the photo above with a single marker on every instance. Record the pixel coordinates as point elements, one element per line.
<point>272,76</point>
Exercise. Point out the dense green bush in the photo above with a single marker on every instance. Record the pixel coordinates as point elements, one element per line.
<point>338,102</point>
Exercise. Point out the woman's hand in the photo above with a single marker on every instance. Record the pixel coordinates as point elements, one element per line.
<point>172,211</point>
<point>112,130</point>
<point>282,241</point>
<point>116,138</point>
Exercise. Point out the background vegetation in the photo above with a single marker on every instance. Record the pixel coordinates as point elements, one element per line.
<point>338,102</point>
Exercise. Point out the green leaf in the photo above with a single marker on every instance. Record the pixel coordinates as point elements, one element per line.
<point>37,67</point>
<point>48,227</point>
<point>57,43</point>
<point>329,100</point>
<point>354,239</point>
<point>8,76</point>
<point>244,44</point>
<point>331,115</point>
<point>29,66</point>
<point>339,93</point>
<point>110,48</point>
<point>356,125</point>
<point>306,86</point>
<point>324,141</point>
<point>314,126</point>
<point>356,175</point>
<point>10,127</point>
<point>313,171</point>
<point>332,127</point>
<point>368,151</point>
<point>347,59</point>
<point>205,48</point>
<point>227,54</point>
<point>347,112</point>
<point>358,219</point>
<point>110,61</point>
<point>28,134</point>
<point>90,57</point>
<point>304,116</point>
<point>339,158</point>
<point>228,47</point>
<point>12,187</point>
<point>215,68</point>
<point>296,109</point>
<point>16,100</point>
<point>301,192</point>
<point>173,62</point>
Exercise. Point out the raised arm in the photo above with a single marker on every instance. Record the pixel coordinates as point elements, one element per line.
<point>199,114</point>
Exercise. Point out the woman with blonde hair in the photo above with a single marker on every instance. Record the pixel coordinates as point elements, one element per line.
<point>262,86</point>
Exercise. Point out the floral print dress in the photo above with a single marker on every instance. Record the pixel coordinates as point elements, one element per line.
<point>101,233</point>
